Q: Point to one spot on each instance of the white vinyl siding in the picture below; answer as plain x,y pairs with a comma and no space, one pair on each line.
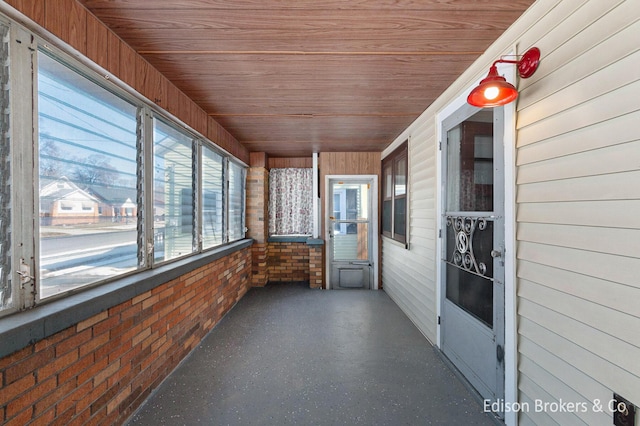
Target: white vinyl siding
577,208
410,278
579,215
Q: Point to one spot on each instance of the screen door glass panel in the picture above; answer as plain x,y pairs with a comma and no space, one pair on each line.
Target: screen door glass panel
350,221
470,167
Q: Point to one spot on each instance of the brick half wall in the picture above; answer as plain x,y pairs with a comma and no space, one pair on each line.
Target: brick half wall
288,261
101,369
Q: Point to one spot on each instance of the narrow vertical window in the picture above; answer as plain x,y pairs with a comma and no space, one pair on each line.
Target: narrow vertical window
87,180
236,201
5,174
387,200
394,194
173,192
212,198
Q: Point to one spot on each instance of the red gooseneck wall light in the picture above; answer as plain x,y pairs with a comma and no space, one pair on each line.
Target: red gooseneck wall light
494,90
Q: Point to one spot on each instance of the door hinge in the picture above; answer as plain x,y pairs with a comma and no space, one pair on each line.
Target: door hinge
438,319
439,233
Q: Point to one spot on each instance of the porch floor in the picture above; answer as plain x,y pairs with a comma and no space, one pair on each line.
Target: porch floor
286,354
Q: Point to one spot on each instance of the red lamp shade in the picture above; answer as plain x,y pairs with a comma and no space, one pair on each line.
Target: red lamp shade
494,90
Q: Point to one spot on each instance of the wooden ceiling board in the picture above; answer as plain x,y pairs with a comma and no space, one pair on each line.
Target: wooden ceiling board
160,41
383,5
292,77
303,127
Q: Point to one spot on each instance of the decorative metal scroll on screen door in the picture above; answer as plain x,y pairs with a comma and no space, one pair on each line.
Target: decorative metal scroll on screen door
463,256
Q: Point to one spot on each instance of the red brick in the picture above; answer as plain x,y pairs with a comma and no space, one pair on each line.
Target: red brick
51,399
141,297
131,311
80,419
113,404
106,372
58,364
91,321
73,342
27,399
102,401
121,328
94,344
21,419
52,340
16,357
149,302
90,372
76,368
72,399
118,309
28,365
106,325
122,372
18,387
63,418
90,397
118,351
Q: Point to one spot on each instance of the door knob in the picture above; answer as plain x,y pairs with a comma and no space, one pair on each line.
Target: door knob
496,253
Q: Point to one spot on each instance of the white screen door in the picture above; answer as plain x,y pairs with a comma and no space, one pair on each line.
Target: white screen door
472,305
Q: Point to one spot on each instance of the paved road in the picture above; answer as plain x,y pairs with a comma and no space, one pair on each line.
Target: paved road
60,245
76,260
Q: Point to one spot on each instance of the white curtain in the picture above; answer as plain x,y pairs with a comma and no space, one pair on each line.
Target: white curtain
290,202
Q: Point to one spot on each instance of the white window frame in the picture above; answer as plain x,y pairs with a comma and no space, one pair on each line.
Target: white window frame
25,198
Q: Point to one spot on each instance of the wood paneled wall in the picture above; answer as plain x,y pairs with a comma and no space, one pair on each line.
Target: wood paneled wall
71,22
291,162
350,163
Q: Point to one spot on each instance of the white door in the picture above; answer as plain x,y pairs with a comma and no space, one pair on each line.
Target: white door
472,305
350,230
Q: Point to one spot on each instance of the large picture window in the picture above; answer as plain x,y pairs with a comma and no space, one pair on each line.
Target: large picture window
87,180
394,194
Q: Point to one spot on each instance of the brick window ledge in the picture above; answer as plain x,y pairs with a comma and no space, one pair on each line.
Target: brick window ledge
27,327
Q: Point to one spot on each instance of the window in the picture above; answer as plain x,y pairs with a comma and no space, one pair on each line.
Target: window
87,150
236,201
212,196
5,174
290,201
172,192
394,194
106,187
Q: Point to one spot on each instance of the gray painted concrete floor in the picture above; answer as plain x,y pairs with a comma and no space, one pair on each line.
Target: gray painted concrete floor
286,354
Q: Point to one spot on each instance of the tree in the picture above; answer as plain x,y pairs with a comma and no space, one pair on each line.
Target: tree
51,163
95,170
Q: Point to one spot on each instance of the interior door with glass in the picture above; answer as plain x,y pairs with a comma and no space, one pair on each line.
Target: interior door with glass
472,310
350,228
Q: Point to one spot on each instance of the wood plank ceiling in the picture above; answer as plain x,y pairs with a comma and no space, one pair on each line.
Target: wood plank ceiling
290,77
